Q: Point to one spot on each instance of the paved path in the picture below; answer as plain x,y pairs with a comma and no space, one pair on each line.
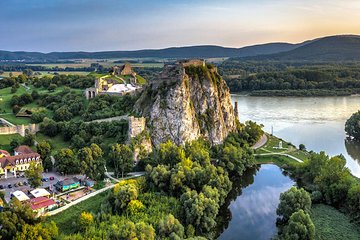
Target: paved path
117,118
262,141
7,122
280,154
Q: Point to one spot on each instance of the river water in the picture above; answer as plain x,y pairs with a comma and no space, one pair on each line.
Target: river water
251,213
317,122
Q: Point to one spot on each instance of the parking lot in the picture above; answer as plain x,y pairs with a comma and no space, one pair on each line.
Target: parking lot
15,180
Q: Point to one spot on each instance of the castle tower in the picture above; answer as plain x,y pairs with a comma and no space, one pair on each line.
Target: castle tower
236,111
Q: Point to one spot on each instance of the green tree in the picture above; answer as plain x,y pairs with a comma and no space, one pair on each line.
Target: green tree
29,139
12,219
299,227
14,143
43,231
170,226
49,127
52,87
123,158
334,180
91,161
291,201
44,149
66,161
352,126
63,114
33,174
201,208
124,195
86,220
169,153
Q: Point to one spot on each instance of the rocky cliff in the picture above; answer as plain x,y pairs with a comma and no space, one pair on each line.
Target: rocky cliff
188,100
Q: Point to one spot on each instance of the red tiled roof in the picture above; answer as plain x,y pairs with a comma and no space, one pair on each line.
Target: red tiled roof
41,202
6,153
11,160
24,149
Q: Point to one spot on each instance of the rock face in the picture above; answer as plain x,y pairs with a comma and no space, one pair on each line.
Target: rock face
188,101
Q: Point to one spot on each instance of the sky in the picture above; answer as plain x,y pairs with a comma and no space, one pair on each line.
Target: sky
100,25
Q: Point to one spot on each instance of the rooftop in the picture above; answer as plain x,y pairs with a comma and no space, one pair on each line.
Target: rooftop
41,202
39,192
21,196
23,149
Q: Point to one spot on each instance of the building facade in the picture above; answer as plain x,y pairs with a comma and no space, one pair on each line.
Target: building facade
20,162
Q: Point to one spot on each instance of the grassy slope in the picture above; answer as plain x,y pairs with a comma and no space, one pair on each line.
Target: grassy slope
56,142
332,224
66,219
6,139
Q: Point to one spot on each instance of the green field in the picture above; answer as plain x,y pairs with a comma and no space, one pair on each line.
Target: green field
332,224
66,219
6,139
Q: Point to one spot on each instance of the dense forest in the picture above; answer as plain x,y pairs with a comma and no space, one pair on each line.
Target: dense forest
292,78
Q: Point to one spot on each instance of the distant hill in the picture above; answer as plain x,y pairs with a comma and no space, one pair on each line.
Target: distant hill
174,52
333,48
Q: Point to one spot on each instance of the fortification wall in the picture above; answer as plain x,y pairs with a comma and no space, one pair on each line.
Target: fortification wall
20,129
136,126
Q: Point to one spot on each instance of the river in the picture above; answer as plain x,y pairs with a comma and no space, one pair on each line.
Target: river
251,213
317,122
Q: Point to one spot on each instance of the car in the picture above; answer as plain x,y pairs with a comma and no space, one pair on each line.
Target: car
51,178
20,184
9,186
46,179
25,183
1,187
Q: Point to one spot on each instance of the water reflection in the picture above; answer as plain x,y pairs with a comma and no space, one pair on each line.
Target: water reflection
353,149
253,211
317,122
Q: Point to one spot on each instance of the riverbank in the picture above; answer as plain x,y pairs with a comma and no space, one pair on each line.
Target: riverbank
300,93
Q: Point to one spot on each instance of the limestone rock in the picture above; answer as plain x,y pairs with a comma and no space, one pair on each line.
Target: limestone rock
189,100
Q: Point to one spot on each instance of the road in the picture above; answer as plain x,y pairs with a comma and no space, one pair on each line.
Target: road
262,141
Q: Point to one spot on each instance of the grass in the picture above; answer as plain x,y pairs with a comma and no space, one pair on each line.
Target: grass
274,142
67,219
6,139
275,159
56,142
332,224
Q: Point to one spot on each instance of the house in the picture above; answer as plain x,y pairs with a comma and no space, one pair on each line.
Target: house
23,149
21,196
40,205
40,192
20,162
67,184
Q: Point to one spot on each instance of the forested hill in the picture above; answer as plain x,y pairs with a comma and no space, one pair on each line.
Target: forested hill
333,48
207,51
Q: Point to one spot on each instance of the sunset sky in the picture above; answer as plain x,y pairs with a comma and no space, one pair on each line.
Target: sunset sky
95,25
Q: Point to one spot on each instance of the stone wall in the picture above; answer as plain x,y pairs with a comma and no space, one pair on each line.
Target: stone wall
20,129
136,126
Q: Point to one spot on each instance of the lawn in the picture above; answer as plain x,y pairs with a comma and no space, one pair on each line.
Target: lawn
66,219
56,142
332,224
6,139
275,159
274,142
